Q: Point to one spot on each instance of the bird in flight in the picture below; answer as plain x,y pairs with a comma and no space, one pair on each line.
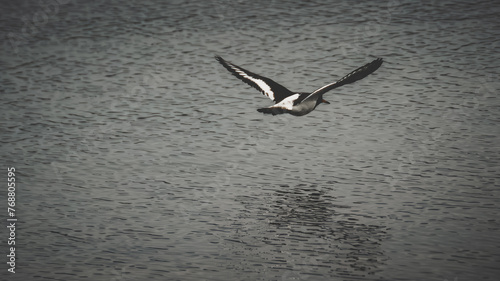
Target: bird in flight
295,103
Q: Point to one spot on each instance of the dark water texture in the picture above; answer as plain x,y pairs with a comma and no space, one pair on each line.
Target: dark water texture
138,157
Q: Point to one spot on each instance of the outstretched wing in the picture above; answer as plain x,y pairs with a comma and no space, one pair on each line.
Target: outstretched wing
352,77
268,87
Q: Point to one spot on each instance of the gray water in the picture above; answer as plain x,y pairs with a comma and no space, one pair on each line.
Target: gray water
139,157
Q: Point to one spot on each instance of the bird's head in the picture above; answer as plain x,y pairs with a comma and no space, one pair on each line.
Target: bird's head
320,101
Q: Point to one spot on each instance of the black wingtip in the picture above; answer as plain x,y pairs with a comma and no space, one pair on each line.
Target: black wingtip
378,62
374,65
363,71
222,61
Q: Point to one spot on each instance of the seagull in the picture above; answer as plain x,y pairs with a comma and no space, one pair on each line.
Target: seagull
294,103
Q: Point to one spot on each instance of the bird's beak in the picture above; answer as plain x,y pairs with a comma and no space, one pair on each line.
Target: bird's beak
322,100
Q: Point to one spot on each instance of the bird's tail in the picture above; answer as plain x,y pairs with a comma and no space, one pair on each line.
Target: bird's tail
273,110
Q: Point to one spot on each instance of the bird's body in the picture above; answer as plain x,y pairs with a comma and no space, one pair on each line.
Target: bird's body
294,103
297,104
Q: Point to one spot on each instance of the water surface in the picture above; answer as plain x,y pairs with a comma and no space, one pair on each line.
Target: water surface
140,157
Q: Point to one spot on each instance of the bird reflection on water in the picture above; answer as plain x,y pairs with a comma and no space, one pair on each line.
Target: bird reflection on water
326,237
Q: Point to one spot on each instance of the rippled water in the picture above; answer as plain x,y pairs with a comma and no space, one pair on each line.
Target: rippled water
140,157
